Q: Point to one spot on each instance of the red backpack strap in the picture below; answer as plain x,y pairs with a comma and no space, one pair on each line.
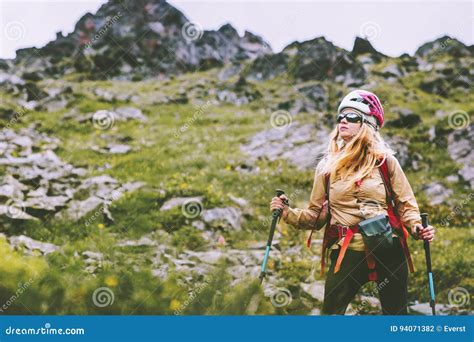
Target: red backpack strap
394,217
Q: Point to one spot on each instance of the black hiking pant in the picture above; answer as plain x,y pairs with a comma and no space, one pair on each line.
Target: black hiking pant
392,273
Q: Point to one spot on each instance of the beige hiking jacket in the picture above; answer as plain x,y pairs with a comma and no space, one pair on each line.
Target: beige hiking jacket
361,202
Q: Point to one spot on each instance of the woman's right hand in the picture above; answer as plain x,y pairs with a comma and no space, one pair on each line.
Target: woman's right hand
277,203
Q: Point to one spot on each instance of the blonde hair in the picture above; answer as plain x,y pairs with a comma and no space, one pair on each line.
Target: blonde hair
355,159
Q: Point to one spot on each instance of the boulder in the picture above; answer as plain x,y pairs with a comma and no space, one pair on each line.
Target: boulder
300,145
437,193
228,217
460,144
31,246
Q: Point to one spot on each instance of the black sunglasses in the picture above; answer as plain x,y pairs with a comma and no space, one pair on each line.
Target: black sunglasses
350,117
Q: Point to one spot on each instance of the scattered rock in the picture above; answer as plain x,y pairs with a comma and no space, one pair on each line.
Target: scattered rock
110,96
208,257
118,114
39,183
237,200
314,289
113,149
300,145
400,146
437,193
144,241
25,242
228,217
181,201
460,144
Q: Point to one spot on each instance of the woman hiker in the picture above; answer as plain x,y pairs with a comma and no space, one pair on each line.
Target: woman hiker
371,210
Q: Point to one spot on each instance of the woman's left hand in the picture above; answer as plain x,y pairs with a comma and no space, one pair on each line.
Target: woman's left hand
427,233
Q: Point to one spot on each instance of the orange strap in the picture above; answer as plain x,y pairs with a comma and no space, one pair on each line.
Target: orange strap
369,257
342,252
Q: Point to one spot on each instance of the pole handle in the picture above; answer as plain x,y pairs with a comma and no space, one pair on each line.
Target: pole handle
280,192
424,220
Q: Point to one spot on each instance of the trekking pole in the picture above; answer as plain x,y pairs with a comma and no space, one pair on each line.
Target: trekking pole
275,218
426,245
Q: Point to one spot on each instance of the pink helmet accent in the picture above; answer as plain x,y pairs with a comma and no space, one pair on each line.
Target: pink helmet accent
365,101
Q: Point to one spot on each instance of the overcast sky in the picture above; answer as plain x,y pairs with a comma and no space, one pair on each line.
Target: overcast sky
393,27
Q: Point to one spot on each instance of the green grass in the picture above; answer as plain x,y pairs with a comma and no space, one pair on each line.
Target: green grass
201,161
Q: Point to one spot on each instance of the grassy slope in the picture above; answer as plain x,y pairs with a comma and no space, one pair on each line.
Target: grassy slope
202,161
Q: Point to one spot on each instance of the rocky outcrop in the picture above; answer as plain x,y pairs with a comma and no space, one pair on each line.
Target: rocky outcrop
138,39
363,47
444,45
316,59
301,145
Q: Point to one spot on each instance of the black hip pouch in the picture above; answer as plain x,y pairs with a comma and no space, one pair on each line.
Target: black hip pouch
376,232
